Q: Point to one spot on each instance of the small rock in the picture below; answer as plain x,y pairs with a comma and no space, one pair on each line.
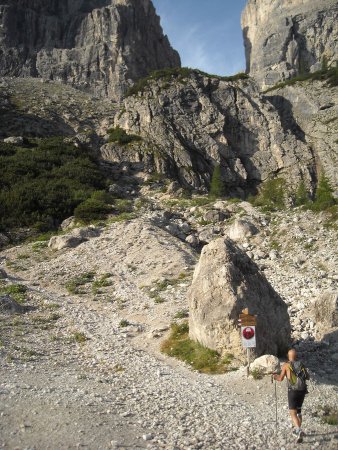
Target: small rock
147,437
16,140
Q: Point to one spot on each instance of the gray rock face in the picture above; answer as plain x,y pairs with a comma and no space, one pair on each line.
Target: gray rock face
310,109
98,45
286,37
189,125
224,283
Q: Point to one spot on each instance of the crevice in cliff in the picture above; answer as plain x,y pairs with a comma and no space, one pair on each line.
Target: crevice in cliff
285,113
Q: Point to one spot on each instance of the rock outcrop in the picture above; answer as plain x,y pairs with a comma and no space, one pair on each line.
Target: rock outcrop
310,110
99,45
191,122
284,38
226,281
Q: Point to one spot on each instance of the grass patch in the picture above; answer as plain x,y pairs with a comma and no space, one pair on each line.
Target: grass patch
330,415
101,282
256,374
124,323
200,358
17,291
123,217
181,314
75,283
79,337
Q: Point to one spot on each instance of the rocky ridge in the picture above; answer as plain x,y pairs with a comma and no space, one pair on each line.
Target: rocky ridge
301,33
101,46
190,123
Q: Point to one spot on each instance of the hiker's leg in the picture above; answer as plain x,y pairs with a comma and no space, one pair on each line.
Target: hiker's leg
295,418
300,417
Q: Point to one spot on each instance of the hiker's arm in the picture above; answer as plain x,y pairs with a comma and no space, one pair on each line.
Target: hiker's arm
282,374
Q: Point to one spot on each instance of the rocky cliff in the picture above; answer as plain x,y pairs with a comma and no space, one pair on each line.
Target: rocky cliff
191,124
286,37
99,45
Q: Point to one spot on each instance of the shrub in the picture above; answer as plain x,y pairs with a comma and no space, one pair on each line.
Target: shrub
324,195
302,195
272,195
256,374
217,187
73,285
17,291
91,210
79,337
120,136
41,184
199,357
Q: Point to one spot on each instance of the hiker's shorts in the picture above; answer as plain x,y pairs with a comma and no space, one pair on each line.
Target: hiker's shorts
296,399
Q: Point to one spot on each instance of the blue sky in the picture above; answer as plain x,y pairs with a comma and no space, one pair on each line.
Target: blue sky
206,33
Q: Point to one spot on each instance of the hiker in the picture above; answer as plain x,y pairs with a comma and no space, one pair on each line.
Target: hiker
296,375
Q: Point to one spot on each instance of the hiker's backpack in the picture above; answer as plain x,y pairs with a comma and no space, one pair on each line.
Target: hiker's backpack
298,376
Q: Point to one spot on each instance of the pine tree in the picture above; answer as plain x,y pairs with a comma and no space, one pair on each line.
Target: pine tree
302,196
217,188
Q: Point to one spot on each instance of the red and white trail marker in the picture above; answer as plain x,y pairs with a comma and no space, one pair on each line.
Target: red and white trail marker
248,334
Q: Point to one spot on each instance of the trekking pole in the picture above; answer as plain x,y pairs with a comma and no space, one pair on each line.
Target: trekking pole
272,380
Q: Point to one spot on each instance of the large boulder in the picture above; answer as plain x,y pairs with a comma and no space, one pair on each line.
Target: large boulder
265,364
225,282
66,241
74,239
241,230
3,274
16,140
9,306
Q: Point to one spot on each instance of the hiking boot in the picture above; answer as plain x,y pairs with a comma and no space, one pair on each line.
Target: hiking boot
300,436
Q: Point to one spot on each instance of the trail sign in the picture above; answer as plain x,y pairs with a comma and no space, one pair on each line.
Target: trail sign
248,329
248,336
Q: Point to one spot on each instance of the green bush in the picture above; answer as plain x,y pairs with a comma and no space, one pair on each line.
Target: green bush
199,357
42,183
91,210
217,186
120,136
272,195
324,195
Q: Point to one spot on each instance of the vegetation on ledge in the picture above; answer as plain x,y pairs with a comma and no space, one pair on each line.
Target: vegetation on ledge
120,136
179,74
329,74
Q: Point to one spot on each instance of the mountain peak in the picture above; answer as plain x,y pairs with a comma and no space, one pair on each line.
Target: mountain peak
101,46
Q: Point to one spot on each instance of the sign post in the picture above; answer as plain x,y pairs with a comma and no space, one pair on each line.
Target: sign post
247,323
